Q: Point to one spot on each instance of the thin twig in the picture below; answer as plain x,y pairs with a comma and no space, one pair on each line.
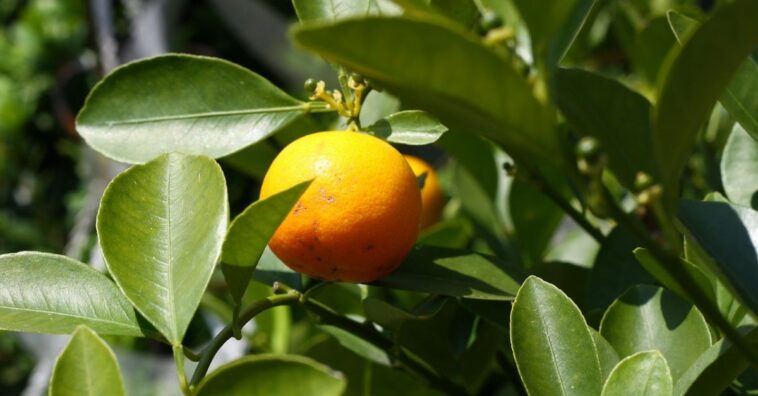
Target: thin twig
206,357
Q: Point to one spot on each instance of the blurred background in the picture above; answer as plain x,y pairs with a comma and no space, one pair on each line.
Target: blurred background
52,52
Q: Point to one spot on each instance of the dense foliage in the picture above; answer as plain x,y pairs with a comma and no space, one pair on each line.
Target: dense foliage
600,237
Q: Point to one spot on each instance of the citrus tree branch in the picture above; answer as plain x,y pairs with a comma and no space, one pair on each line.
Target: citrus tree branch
206,357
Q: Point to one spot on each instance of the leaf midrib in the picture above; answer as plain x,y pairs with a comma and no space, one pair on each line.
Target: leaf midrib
93,319
209,114
553,360
170,258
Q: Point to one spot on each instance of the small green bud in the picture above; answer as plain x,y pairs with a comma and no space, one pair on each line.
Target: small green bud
357,78
310,85
642,181
490,21
588,149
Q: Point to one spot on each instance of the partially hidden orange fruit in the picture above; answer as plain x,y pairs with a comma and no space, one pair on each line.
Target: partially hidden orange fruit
358,219
432,197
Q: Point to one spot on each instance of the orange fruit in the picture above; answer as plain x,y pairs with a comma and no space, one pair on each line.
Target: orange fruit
432,198
358,219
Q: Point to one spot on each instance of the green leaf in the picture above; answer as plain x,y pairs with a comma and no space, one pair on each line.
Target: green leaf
249,234
379,49
739,97
685,96
616,116
393,318
739,168
535,218
47,293
649,318
655,268
552,344
333,10
182,103
411,127
86,367
652,42
730,235
615,269
553,25
464,12
716,368
457,273
329,10
607,356
641,374
358,345
265,375
161,226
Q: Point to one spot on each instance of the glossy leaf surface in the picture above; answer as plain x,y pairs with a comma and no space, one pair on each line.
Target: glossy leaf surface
161,227
182,103
410,127
264,375
641,374
649,318
379,49
47,293
552,344
86,367
739,168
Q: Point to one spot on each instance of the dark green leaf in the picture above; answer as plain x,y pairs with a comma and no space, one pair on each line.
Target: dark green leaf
161,226
458,273
655,268
641,374
553,25
249,234
182,103
739,97
686,96
727,233
46,293
392,318
411,127
535,218
552,344
379,49
649,318
358,345
716,368
464,12
615,270
86,367
651,45
739,168
616,116
266,375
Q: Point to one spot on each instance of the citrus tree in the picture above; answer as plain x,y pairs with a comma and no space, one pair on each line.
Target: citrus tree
600,236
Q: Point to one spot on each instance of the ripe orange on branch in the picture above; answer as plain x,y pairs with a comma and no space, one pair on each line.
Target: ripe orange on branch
359,217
